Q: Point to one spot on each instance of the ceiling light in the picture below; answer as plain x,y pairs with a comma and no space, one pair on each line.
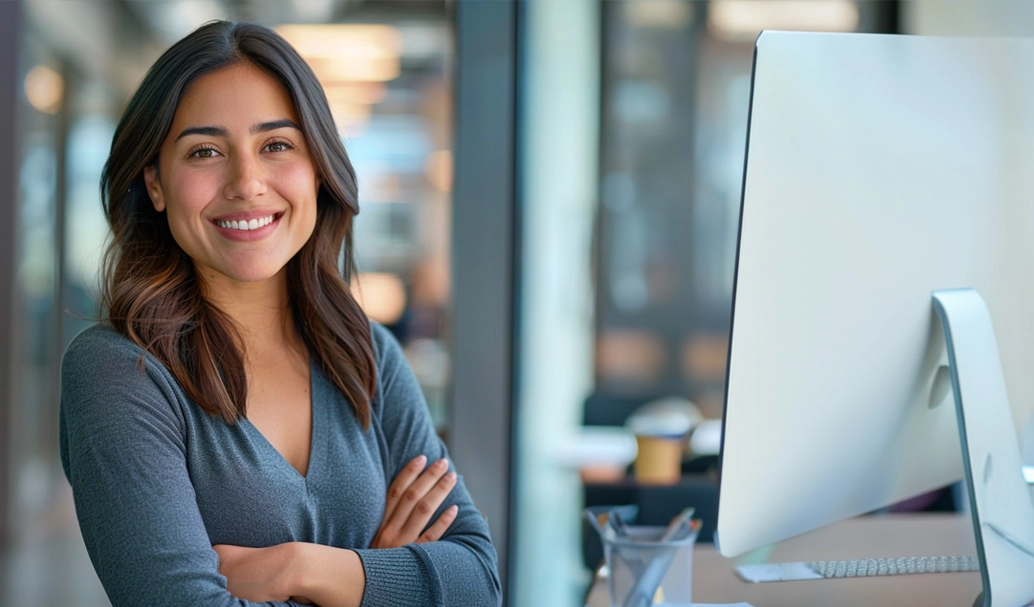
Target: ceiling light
354,69
742,20
338,41
347,52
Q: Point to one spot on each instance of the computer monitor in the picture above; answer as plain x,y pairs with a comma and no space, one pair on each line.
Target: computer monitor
879,170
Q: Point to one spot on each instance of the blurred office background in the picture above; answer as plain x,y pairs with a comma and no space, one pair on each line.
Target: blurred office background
549,194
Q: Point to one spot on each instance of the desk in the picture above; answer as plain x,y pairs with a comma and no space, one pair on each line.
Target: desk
864,537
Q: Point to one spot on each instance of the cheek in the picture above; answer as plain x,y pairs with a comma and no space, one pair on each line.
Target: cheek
300,179
192,192
297,183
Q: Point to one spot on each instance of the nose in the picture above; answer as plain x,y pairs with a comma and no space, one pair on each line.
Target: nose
244,180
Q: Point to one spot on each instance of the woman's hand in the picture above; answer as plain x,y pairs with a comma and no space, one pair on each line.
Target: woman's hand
414,496
259,574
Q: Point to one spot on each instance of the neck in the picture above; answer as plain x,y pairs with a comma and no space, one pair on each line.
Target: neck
261,311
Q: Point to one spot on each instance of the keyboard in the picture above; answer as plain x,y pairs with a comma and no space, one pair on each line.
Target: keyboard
817,570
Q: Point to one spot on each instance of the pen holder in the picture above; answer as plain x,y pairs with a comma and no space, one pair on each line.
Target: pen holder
645,571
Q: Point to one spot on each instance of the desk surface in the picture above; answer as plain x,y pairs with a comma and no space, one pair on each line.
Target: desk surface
864,537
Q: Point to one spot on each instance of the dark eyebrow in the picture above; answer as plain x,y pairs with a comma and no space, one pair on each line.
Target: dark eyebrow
211,131
274,125
218,131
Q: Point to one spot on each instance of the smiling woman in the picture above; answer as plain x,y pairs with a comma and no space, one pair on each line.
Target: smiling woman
238,430
218,183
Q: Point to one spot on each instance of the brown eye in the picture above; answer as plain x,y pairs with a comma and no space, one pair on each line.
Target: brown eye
278,146
203,153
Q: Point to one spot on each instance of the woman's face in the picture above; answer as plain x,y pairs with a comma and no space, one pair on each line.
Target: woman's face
235,177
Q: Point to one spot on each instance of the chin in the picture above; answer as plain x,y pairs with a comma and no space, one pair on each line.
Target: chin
253,273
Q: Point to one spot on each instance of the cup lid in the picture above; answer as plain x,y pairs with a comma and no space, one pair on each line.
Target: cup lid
662,424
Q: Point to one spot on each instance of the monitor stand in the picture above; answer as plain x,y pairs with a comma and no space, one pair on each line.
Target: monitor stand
999,498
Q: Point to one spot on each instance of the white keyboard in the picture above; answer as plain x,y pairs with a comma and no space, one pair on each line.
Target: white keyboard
817,570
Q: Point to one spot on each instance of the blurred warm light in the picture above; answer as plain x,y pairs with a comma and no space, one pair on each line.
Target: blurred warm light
666,14
741,20
352,62
430,285
343,40
438,170
704,357
364,93
347,52
45,89
381,295
629,355
371,69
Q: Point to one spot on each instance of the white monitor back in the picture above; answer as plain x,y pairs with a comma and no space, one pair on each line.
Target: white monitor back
879,169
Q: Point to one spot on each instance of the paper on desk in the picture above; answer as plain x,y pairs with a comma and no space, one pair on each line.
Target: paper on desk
777,572
704,605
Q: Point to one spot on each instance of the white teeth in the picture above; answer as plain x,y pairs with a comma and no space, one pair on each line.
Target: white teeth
253,224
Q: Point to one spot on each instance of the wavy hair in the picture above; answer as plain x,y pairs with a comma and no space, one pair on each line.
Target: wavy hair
150,289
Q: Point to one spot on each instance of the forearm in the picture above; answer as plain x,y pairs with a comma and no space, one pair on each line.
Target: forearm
329,577
436,574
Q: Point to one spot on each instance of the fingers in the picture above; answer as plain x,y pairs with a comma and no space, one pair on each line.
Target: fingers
413,497
440,526
425,508
402,482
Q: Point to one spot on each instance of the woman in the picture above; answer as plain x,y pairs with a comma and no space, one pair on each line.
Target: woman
238,430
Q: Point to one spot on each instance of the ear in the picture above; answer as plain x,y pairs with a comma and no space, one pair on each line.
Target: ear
154,187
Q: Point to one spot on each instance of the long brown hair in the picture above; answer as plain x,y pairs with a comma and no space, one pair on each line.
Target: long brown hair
151,291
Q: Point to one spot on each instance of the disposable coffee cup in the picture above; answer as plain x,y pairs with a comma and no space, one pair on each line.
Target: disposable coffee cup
661,439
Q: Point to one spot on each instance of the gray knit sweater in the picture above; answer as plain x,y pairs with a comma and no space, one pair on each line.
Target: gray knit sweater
157,481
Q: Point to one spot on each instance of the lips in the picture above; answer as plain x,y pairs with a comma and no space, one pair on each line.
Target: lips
247,226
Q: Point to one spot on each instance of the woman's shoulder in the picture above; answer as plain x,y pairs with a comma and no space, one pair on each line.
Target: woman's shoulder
396,383
100,334
100,351
99,343
381,338
105,376
112,390
386,348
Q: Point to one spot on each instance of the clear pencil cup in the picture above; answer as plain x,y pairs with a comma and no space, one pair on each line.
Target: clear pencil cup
644,572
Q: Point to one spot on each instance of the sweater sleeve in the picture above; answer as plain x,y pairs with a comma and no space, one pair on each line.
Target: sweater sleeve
123,452
459,569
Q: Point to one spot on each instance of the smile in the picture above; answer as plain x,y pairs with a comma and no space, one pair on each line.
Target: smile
252,224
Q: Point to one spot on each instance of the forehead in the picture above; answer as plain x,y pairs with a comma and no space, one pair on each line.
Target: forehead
236,95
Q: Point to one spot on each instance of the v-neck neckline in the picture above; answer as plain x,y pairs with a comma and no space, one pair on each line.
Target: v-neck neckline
316,422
